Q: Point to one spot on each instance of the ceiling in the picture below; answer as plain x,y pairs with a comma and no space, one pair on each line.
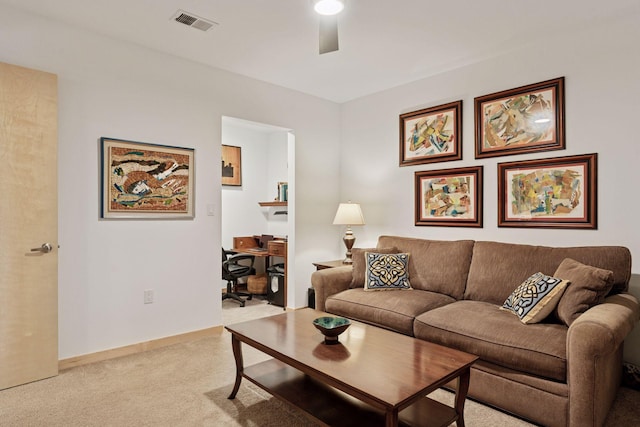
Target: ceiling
383,43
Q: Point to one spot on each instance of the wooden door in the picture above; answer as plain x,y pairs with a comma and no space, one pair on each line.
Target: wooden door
28,220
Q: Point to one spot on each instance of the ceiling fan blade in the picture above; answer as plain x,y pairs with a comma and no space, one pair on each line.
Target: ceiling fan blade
328,34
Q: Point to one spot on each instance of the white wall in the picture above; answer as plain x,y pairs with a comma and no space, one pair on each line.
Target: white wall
601,67
115,89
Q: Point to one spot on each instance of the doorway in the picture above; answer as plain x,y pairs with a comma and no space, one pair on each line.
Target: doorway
267,166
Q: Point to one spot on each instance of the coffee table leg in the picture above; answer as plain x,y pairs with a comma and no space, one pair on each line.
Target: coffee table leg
237,354
392,418
461,395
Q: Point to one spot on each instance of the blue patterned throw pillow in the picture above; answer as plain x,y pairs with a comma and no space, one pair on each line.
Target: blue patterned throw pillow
536,297
386,271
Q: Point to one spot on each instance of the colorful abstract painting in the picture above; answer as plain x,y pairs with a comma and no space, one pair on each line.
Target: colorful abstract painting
520,120
449,197
431,135
549,192
146,181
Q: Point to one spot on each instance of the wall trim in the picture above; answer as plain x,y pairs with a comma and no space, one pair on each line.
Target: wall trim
100,356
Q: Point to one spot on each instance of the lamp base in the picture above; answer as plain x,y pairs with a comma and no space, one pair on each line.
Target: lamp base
348,239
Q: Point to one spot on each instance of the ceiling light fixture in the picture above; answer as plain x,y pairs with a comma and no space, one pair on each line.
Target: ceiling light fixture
328,7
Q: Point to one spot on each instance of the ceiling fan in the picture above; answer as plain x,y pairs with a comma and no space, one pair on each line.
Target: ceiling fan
328,34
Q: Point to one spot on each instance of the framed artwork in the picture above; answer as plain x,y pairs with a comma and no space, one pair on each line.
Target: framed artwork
231,165
431,135
550,193
141,180
522,120
449,197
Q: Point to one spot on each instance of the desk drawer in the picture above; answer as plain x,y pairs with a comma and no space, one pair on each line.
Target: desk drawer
277,248
244,242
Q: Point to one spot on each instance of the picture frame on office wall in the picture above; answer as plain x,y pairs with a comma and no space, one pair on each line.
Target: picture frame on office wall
231,165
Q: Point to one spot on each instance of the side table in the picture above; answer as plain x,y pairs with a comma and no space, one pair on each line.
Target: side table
329,264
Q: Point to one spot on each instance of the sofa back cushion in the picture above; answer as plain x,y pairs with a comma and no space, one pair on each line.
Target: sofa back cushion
498,268
435,265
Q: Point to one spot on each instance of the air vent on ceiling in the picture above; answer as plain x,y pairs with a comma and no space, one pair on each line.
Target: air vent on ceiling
191,20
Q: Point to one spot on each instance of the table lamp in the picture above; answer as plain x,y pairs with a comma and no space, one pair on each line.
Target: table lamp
348,214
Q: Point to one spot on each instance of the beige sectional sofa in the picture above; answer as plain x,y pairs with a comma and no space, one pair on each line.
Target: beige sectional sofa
547,372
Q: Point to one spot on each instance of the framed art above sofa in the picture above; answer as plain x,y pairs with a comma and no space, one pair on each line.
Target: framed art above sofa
522,120
449,197
431,135
558,192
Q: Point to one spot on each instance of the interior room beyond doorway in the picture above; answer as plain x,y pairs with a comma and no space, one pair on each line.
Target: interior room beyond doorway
257,202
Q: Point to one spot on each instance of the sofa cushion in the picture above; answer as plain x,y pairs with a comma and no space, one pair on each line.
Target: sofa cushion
496,266
589,286
359,264
535,298
498,337
435,265
390,310
386,272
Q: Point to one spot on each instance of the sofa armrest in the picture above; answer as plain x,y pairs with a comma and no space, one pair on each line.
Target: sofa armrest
330,281
594,357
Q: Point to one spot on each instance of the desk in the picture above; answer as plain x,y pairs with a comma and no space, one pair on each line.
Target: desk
275,248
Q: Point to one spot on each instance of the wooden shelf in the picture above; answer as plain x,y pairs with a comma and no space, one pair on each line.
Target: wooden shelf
329,406
263,204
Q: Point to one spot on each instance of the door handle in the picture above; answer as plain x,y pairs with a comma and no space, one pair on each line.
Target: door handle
45,248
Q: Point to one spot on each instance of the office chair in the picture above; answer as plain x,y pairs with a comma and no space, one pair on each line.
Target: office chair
232,270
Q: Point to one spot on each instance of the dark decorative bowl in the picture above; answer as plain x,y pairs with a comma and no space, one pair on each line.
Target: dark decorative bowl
331,327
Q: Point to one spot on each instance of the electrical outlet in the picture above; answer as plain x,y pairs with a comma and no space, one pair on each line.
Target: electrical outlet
148,296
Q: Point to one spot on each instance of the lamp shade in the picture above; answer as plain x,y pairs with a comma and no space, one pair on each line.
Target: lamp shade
349,214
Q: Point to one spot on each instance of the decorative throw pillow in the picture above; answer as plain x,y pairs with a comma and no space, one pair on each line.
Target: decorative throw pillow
386,271
359,264
535,298
589,286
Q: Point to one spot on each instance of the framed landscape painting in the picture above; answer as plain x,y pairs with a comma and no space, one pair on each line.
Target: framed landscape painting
449,197
141,180
431,135
551,193
231,165
522,120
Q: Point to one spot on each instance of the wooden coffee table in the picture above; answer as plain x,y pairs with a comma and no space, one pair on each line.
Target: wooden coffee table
373,377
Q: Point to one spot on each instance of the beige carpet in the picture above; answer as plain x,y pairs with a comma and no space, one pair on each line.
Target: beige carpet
188,384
